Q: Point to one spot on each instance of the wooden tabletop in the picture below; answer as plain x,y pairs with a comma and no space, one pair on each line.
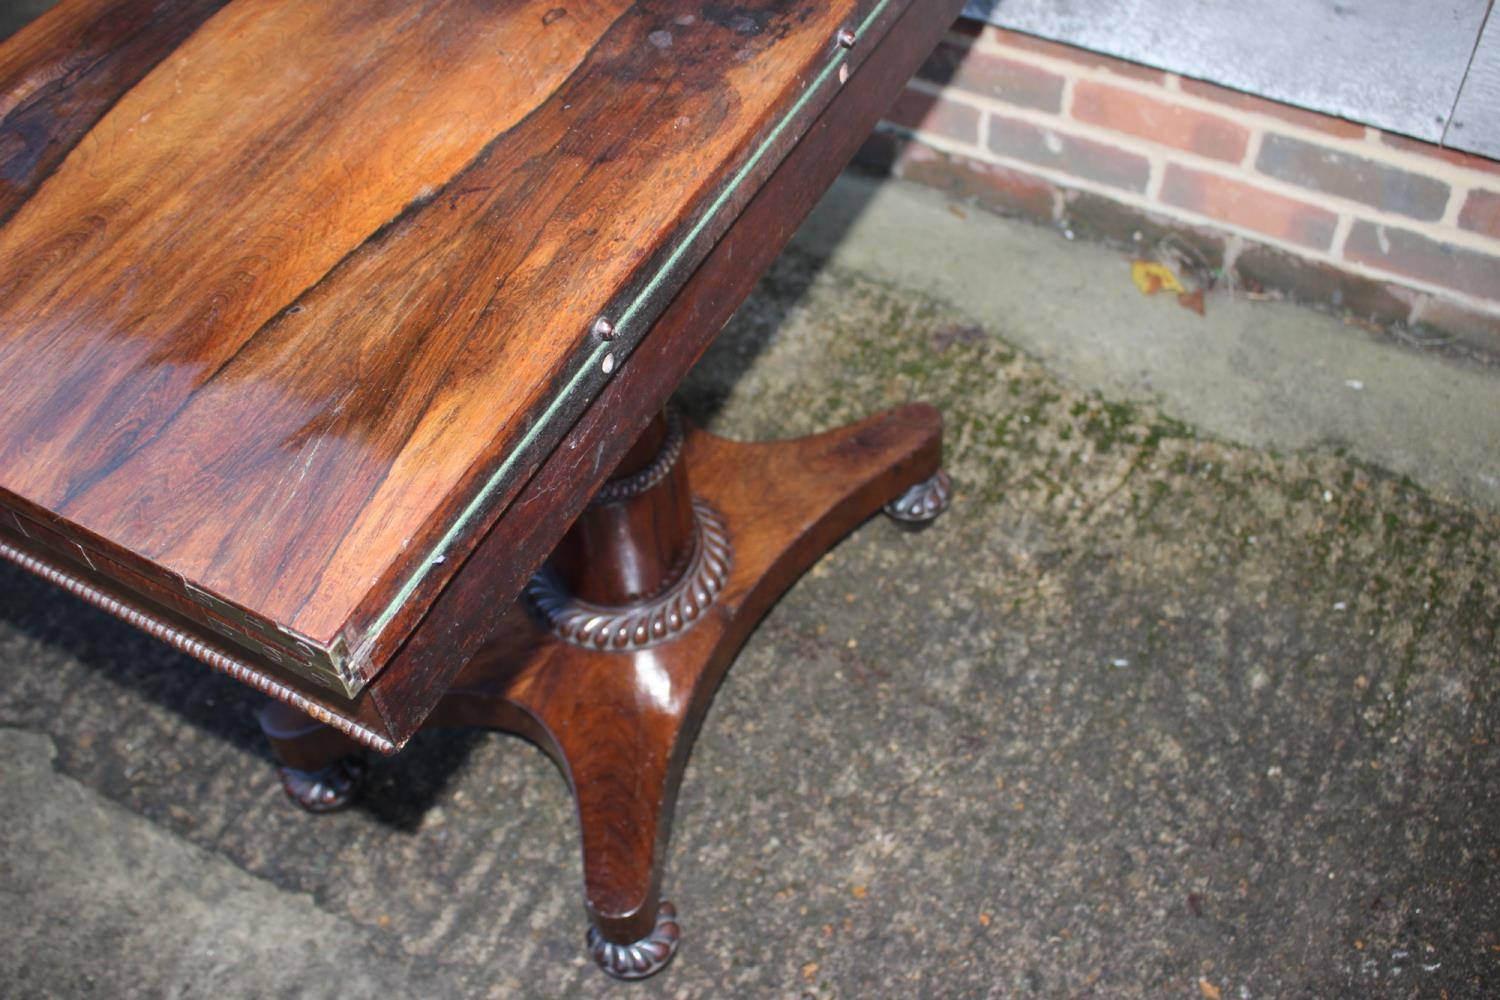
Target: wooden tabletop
295,296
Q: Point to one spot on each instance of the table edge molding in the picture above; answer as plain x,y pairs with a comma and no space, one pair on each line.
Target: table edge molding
186,642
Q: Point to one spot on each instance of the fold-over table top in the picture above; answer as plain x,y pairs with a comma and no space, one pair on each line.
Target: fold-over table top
294,295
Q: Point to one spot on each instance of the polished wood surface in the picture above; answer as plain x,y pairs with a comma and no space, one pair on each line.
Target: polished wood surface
295,298
638,533
59,75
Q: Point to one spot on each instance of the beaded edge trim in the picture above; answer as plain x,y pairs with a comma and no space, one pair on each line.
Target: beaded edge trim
626,629
185,642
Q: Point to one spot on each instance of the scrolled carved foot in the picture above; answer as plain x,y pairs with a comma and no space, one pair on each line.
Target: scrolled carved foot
920,506
327,789
645,957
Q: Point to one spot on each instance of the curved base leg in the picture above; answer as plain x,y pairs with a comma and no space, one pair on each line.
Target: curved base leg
620,722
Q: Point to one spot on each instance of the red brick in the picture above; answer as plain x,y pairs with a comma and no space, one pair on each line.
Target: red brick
1106,219
1321,285
1481,213
1456,157
932,115
1249,207
1332,171
1083,57
1070,154
1480,330
1169,124
1001,190
992,76
1274,109
1400,251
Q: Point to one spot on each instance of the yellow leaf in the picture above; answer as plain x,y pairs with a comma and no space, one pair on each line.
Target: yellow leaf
1151,277
1209,990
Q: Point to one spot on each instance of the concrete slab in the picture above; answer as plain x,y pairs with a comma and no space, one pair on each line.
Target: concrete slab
96,901
1266,374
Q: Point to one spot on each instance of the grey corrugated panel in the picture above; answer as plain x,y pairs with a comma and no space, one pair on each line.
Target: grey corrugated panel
1476,119
1395,64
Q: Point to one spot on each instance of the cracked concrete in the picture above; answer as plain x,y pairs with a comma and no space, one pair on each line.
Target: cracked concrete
92,893
1192,694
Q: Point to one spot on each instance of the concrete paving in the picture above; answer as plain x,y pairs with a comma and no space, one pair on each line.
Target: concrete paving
1193,694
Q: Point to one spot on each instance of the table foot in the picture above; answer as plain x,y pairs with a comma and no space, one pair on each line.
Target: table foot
321,769
919,506
327,789
642,958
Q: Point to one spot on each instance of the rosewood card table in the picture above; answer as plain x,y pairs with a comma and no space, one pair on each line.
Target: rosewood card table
336,339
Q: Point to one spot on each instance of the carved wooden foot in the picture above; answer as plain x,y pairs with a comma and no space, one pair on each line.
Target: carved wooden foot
645,957
327,789
321,769
919,506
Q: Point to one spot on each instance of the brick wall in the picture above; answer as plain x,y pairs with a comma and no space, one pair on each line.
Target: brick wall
1281,201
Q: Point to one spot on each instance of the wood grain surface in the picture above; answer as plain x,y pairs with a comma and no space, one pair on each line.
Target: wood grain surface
59,75
295,297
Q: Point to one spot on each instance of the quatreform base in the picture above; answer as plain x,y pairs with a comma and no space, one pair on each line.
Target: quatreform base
611,657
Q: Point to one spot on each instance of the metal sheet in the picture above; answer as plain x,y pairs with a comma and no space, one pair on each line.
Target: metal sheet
1394,64
1476,119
